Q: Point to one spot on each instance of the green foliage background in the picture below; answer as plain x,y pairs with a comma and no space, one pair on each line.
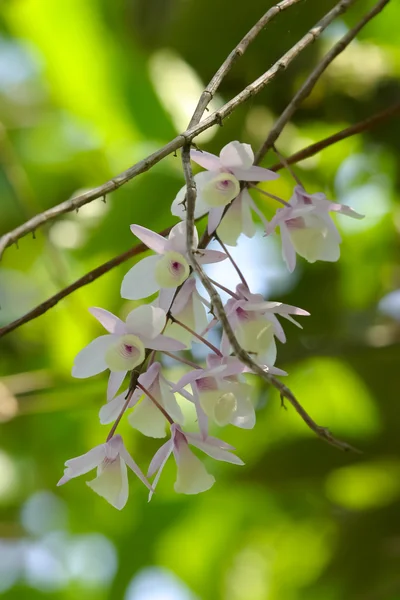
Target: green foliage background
88,87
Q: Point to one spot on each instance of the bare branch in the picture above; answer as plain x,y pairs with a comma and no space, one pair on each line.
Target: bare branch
365,125
88,278
310,82
178,142
107,266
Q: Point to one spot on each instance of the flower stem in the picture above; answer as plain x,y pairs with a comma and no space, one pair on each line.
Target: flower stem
197,335
161,408
287,166
281,200
235,266
185,361
125,406
225,289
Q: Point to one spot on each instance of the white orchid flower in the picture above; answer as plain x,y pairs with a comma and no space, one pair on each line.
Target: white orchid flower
192,476
124,347
220,184
166,270
111,460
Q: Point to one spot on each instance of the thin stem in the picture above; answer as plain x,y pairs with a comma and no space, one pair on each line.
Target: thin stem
196,335
235,266
225,289
180,359
255,187
287,166
343,134
161,408
118,419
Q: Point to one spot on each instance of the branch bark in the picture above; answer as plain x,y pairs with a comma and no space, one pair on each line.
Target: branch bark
185,137
312,79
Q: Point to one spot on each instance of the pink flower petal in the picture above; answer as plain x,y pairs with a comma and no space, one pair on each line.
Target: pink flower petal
152,239
109,321
114,383
206,160
210,256
214,218
254,174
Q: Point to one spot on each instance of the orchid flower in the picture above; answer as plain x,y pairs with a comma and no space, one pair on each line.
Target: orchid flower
220,184
166,270
255,324
192,476
307,228
219,394
111,460
124,347
189,309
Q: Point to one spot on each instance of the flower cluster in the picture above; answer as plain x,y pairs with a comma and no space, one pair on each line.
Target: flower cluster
134,350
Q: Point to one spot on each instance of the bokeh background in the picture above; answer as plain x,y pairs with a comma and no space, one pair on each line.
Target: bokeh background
87,88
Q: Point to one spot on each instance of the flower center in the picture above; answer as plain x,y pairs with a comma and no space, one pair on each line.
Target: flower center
221,190
171,270
126,354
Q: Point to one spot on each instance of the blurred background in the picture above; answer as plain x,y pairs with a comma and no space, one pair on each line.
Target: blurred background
87,88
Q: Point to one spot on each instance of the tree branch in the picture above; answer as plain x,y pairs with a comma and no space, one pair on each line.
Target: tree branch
312,79
182,139
365,125
114,262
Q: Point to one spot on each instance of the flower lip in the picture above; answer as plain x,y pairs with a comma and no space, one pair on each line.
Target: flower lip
127,352
172,270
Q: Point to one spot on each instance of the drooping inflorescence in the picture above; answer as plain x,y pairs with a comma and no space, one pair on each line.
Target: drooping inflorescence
133,349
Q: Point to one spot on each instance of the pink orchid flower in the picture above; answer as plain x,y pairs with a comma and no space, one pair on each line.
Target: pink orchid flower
192,476
111,460
189,309
307,228
255,324
166,270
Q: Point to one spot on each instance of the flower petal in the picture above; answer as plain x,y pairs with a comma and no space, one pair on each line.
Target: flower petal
152,239
114,383
146,321
288,251
177,238
163,342
83,464
112,483
91,359
214,218
215,451
148,419
109,321
127,458
192,476
140,281
207,257
254,174
206,160
236,155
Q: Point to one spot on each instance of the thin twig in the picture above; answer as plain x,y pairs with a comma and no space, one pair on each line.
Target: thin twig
236,53
360,127
184,361
196,335
156,402
88,278
183,139
303,154
312,79
265,193
233,263
118,419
